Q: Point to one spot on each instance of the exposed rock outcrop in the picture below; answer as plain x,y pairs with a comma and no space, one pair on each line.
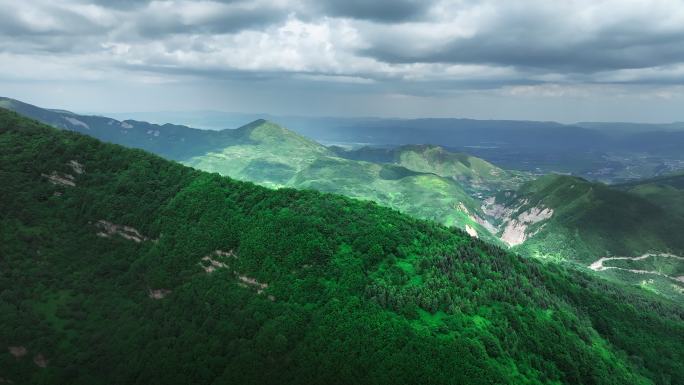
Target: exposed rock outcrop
515,230
40,361
158,293
127,232
17,351
471,231
212,261
76,122
254,283
77,167
60,179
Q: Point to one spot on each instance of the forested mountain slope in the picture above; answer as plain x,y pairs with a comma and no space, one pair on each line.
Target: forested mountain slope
274,156
266,153
120,267
547,218
599,219
666,191
270,155
568,218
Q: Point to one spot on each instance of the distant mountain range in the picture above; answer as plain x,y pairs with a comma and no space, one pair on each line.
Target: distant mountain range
560,218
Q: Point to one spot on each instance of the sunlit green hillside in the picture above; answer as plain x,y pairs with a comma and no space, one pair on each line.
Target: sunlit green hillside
478,177
565,218
589,219
666,191
273,156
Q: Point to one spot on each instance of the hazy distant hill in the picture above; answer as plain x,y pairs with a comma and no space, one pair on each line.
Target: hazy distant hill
477,175
119,267
601,151
168,140
617,128
608,152
666,191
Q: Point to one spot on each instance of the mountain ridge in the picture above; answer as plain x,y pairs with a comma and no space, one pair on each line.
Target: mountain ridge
271,155
277,157
431,182
479,176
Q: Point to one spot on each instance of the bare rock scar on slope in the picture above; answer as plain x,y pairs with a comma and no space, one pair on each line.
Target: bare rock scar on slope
60,179
108,229
516,229
216,260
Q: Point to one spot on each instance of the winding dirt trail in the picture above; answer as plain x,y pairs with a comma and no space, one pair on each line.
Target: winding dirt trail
598,265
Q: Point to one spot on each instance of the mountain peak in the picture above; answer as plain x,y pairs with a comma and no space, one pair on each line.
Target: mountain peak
252,125
266,131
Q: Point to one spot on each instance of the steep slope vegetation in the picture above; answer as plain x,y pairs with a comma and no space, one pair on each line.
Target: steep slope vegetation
272,156
569,218
277,157
666,191
596,219
265,153
120,267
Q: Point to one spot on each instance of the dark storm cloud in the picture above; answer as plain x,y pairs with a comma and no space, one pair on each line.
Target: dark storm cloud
68,27
381,10
117,4
52,30
61,22
407,46
124,4
163,26
157,24
585,57
207,73
547,40
533,36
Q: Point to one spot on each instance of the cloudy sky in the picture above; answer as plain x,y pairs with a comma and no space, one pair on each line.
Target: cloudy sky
566,60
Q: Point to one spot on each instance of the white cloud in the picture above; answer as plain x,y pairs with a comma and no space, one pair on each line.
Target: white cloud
525,49
453,40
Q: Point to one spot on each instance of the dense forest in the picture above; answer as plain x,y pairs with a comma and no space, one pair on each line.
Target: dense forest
119,267
584,221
